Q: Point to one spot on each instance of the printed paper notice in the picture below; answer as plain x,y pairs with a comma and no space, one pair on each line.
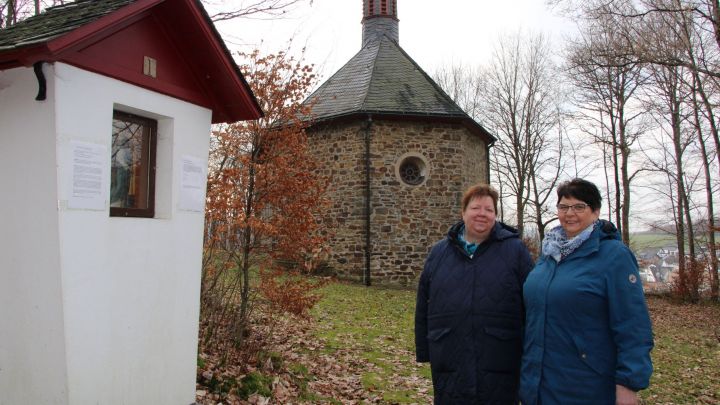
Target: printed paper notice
192,184
88,176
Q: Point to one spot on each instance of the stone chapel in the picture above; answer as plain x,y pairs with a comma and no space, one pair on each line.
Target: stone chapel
399,153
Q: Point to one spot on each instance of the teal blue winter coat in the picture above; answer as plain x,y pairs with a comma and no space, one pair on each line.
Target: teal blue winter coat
587,326
469,315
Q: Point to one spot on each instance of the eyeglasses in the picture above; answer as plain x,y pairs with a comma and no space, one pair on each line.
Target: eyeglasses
575,207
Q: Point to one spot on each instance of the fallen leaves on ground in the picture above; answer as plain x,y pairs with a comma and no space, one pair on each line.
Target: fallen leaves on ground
330,378
350,353
686,357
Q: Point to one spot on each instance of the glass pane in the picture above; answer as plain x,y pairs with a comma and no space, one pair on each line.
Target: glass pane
128,184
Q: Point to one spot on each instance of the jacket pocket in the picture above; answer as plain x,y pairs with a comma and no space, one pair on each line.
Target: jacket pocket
594,358
437,334
502,349
442,350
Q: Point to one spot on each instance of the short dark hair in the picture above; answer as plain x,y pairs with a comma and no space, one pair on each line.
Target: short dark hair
582,190
479,190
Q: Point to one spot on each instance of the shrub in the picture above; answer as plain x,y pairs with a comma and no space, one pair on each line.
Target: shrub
686,286
255,383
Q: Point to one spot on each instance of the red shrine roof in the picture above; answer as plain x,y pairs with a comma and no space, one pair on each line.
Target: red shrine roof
117,38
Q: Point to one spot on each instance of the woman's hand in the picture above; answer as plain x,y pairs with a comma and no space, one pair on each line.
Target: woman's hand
625,396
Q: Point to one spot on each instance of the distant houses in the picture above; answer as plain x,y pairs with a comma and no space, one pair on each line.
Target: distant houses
661,273
659,266
666,252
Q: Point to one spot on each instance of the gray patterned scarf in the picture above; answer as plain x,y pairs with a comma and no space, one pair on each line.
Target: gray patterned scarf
557,245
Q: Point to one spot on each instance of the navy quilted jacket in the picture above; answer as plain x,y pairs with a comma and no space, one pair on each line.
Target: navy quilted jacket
469,317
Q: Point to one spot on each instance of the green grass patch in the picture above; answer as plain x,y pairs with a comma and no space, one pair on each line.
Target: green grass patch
377,323
301,376
657,240
651,240
275,359
255,383
399,397
686,356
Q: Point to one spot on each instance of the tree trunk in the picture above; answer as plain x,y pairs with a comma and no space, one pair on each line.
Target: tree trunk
537,207
607,181
715,10
674,100
624,209
242,315
11,16
616,182
520,215
693,279
712,245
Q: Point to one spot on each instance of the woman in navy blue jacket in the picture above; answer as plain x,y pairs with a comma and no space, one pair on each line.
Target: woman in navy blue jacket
587,333
469,312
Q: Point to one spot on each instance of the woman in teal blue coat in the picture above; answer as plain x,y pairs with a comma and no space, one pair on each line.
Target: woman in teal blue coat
588,334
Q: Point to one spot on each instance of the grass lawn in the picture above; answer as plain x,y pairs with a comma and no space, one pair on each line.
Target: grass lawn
376,325
656,240
686,355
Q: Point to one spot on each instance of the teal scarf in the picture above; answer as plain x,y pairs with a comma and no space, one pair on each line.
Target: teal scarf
470,248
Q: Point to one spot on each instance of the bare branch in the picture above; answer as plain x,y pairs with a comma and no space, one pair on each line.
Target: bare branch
269,9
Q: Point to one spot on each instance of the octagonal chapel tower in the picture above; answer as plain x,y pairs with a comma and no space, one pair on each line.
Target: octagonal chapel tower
399,153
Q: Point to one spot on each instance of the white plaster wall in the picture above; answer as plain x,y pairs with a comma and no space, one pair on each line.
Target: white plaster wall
94,309
32,345
130,285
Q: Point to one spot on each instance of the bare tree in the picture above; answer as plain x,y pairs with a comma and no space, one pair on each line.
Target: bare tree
606,87
640,46
12,11
520,107
681,32
703,113
469,88
679,42
668,101
464,85
234,9
544,176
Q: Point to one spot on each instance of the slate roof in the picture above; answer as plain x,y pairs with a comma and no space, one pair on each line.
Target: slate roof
56,21
383,79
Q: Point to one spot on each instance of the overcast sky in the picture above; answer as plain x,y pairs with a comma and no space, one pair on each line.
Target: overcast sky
433,32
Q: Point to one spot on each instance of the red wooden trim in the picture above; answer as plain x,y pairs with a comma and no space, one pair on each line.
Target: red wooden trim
226,93
24,57
137,78
103,26
232,71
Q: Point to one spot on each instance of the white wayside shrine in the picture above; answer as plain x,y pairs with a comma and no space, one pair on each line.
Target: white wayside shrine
104,136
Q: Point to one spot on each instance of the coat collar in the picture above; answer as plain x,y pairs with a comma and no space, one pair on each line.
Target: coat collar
604,231
499,232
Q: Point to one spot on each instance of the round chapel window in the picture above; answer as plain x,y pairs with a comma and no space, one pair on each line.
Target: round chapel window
412,169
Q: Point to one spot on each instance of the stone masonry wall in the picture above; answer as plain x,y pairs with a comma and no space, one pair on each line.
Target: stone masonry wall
475,160
405,220
342,150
